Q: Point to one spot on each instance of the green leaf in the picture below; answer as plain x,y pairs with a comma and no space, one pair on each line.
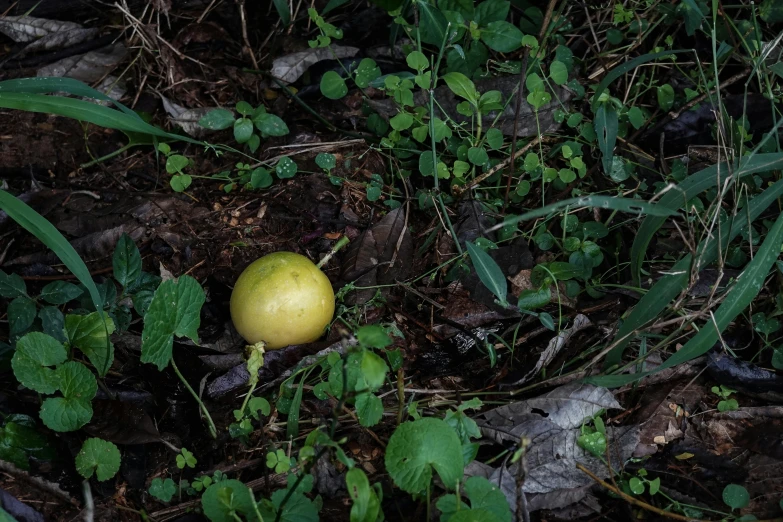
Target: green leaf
416,448
217,119
21,314
286,168
52,322
34,352
126,262
326,161
175,310
366,504
74,409
558,72
532,299
483,495
494,138
333,85
373,336
538,99
369,409
736,496
462,86
223,498
180,182
367,71
401,121
636,117
489,272
244,108
176,163
243,130
441,130
491,11
90,334
100,457
270,124
432,24
417,61
502,36
261,178
163,490
606,125
12,285
284,11
665,95
478,156
374,370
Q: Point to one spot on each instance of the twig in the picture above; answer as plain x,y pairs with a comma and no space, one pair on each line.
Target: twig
89,505
43,485
460,190
245,39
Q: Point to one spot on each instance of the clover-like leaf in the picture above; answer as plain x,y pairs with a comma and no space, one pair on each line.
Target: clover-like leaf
175,310
222,499
34,353
74,409
483,495
90,334
100,457
415,448
163,490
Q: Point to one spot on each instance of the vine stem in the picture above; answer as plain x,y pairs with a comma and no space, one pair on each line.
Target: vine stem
336,248
212,428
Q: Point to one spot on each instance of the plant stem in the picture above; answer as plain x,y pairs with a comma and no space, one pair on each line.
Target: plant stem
343,241
212,428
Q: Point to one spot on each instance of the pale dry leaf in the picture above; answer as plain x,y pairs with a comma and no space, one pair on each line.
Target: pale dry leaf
28,28
289,68
186,119
89,67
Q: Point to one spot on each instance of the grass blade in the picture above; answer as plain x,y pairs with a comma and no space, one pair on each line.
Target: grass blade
85,111
690,188
655,301
633,206
738,298
489,272
284,11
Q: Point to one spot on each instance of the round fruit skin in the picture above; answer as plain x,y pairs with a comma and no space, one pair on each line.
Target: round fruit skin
282,299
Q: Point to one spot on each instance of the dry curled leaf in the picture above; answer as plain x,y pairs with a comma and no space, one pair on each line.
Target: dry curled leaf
289,68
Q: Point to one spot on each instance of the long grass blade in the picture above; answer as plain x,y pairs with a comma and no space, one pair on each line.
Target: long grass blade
667,288
691,187
740,295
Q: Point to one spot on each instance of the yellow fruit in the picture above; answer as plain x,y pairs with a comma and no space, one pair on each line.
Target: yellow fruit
282,299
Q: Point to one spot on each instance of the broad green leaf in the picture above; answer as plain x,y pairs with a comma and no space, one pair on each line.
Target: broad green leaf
162,490
374,370
489,272
502,36
261,178
441,130
478,156
60,292
736,496
494,138
373,336
126,261
222,498
401,121
12,285
52,322
176,163
74,409
366,504
284,11
326,161
491,11
100,457
739,296
416,448
270,124
669,286
533,299
367,71
665,95
369,409
538,99
417,61
34,353
432,24
20,314
636,117
90,334
217,119
175,310
243,130
333,85
462,86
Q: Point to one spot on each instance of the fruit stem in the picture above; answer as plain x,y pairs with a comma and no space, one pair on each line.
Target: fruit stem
336,248
212,428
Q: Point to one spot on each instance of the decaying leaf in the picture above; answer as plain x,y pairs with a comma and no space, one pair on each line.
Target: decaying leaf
186,119
289,68
89,67
121,423
30,29
380,256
